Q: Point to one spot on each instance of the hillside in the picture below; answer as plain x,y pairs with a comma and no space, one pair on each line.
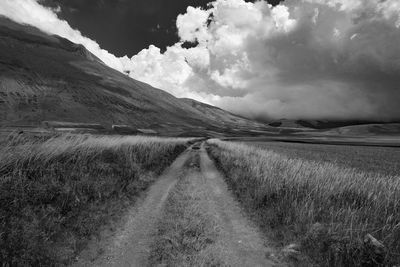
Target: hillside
286,123
318,124
48,78
368,129
214,113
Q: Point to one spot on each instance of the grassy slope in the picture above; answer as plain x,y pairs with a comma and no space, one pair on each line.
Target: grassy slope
55,194
326,208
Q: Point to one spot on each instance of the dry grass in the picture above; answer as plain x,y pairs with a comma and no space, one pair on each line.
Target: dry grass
328,209
56,193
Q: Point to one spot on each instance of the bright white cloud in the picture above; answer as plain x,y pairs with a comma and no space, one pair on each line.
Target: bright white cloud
301,59
192,26
168,70
282,19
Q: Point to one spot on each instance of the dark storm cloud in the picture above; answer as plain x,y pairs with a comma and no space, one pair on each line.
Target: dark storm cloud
125,27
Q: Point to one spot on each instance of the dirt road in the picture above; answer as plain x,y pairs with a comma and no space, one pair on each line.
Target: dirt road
187,218
244,242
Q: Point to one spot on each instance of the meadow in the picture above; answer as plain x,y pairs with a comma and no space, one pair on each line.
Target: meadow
56,193
337,214
384,160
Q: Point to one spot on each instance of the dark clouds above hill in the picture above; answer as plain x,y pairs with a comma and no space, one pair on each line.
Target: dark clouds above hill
125,27
337,59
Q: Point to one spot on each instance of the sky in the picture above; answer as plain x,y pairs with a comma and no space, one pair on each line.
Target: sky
295,59
125,27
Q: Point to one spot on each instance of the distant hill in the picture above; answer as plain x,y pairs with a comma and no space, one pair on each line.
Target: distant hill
48,78
329,124
214,113
286,123
324,124
368,129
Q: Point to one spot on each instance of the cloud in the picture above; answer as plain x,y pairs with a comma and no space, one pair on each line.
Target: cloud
386,9
167,70
336,59
331,59
193,25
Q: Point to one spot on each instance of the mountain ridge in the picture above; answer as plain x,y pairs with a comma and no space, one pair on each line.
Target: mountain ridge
48,78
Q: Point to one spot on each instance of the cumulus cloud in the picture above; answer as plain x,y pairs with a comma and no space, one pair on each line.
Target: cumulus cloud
336,59
331,59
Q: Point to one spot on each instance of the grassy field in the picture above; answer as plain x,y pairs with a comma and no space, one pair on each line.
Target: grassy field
57,193
326,208
384,160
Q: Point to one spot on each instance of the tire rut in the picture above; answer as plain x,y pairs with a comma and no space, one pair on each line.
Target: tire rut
131,245
245,245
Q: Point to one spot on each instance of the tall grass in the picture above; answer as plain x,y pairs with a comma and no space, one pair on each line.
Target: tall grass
384,160
329,210
57,193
